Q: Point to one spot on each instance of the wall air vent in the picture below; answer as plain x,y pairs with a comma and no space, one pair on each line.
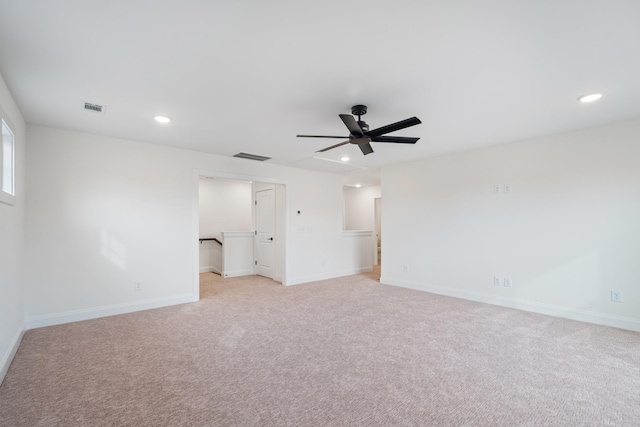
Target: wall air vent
251,157
93,107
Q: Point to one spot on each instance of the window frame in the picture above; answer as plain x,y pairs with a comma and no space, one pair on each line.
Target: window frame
5,197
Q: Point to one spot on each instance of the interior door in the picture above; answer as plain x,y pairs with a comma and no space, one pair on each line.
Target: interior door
265,232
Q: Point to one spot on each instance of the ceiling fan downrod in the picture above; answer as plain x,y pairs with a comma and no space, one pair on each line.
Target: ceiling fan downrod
360,110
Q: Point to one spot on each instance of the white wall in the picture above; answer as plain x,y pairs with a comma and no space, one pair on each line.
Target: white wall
12,228
104,213
567,234
224,206
238,254
316,249
359,208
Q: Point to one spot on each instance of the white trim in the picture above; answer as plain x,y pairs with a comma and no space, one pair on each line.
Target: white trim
357,233
535,307
236,234
210,269
8,198
256,188
195,234
7,358
105,311
318,277
238,273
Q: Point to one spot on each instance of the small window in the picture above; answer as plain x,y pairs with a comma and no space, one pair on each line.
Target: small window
7,165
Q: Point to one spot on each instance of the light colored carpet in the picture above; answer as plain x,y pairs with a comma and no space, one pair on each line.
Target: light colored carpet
344,352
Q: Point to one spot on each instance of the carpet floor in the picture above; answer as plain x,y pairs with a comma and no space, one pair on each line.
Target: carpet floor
341,352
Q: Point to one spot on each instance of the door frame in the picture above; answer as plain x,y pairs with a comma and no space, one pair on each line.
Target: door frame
257,187
377,228
195,222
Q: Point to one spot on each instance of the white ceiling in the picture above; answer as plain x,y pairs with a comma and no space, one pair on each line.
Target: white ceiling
248,75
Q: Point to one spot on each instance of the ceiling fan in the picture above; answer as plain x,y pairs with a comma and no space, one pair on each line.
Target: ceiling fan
360,134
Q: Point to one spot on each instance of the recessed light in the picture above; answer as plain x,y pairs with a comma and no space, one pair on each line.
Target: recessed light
162,119
344,158
590,98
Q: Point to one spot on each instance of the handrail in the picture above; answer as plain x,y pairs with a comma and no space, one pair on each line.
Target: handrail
211,238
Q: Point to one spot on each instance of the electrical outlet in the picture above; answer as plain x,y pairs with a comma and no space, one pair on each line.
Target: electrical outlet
496,189
506,282
137,286
496,280
506,188
616,296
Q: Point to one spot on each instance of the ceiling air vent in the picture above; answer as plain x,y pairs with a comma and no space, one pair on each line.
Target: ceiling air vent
251,157
93,107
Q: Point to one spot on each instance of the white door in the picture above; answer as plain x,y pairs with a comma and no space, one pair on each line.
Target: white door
265,232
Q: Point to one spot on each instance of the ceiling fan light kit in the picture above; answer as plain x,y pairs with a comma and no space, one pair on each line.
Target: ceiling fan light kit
360,135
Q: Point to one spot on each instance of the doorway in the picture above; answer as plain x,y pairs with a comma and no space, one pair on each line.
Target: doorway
274,265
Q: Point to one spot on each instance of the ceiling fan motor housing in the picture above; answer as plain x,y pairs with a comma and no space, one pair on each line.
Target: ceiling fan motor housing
359,110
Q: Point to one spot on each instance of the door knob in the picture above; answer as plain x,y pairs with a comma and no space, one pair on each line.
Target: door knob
270,238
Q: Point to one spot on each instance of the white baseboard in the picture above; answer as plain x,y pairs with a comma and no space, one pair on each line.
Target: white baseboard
8,356
110,310
535,307
210,269
238,273
326,276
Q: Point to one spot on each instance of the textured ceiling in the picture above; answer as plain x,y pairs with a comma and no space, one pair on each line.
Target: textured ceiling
248,75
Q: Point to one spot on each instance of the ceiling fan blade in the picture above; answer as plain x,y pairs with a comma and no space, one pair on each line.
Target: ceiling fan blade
332,147
397,139
366,148
321,136
351,124
394,127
